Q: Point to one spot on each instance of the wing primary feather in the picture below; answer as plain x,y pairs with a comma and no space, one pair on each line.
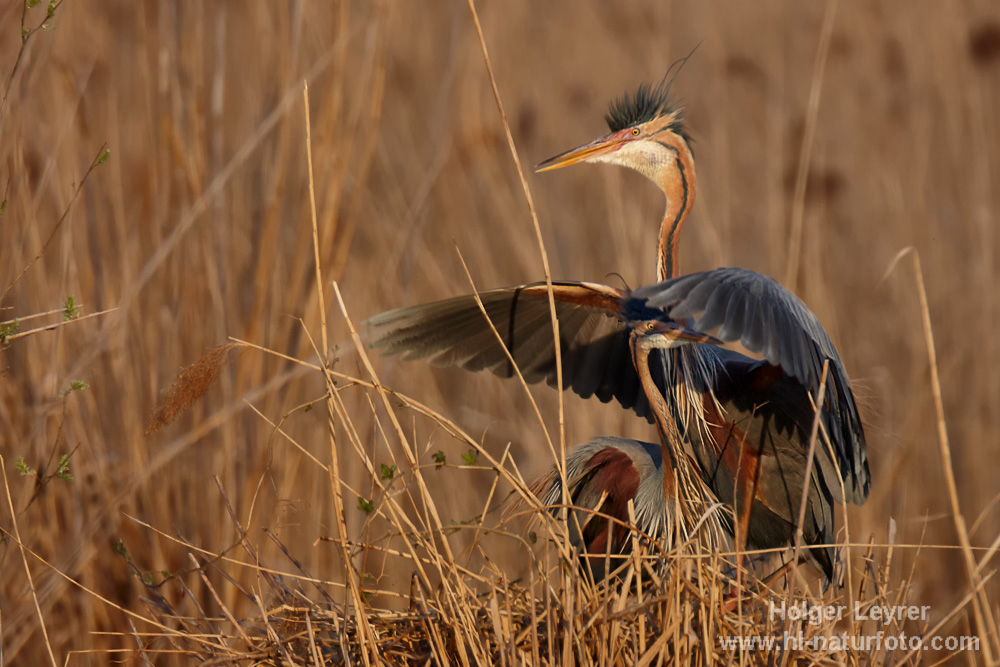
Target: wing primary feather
510,330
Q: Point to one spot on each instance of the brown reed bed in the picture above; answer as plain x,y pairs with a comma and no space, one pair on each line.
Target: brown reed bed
658,608
352,521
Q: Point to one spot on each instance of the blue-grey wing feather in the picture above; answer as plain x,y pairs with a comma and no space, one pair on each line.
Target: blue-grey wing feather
595,351
741,305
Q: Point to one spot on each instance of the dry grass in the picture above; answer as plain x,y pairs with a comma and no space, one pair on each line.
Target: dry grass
199,227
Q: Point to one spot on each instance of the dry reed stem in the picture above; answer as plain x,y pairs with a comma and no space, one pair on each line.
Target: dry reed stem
218,601
849,567
556,339
510,359
805,154
26,35
334,470
513,477
98,160
559,459
983,611
445,562
820,395
969,597
222,558
211,193
398,518
315,224
165,629
276,428
35,316
54,326
24,559
409,450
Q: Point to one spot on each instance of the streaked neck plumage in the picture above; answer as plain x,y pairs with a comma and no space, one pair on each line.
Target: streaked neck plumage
678,181
669,435
664,157
694,502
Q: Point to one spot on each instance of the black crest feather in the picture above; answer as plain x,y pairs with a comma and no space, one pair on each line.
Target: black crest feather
644,105
647,103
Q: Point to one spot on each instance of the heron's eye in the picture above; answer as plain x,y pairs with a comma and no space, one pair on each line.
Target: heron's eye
650,326
635,132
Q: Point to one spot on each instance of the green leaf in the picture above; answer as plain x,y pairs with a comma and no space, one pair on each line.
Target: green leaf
365,506
470,457
23,469
532,537
78,385
103,157
62,472
388,471
439,459
71,310
8,329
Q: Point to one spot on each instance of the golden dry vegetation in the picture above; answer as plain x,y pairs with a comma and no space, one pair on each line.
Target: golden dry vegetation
870,127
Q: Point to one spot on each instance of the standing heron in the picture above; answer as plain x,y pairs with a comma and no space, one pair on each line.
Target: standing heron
747,420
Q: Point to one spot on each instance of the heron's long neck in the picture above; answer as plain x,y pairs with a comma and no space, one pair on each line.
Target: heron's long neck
669,433
678,182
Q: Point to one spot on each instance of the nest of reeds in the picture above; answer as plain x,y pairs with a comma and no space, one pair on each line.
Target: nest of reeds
427,601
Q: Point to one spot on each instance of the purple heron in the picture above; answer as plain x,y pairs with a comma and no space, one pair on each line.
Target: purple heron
669,497
747,420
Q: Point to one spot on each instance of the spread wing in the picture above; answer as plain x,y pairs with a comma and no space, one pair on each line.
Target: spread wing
596,360
741,305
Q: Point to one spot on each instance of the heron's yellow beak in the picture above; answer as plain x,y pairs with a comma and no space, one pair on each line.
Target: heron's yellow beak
674,334
583,153
690,336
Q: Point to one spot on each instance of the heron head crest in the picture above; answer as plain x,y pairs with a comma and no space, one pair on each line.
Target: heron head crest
649,103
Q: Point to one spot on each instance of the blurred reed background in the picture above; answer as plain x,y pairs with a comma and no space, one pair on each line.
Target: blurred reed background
198,228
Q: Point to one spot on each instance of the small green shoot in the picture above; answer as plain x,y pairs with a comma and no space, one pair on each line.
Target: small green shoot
8,329
71,310
62,472
23,469
439,459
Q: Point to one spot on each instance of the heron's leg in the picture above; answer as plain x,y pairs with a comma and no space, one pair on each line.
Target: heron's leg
747,477
732,599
